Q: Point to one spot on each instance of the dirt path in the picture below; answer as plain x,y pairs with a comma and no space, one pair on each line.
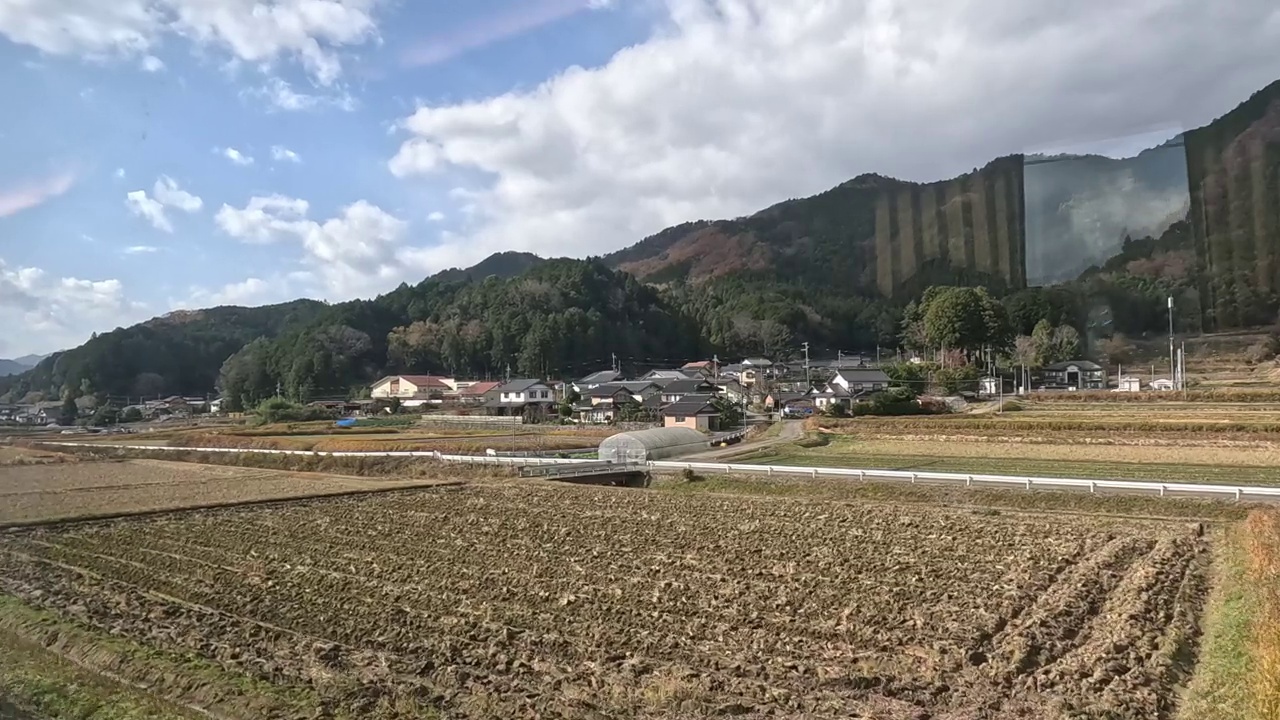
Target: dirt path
792,430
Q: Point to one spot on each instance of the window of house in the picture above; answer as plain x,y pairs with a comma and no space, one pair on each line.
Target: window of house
681,418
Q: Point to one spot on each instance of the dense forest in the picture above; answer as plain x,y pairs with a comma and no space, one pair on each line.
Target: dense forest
842,270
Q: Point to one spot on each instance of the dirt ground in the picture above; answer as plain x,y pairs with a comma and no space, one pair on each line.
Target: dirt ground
532,600
38,492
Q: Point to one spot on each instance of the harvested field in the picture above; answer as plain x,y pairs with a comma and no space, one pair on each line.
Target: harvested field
531,600
85,489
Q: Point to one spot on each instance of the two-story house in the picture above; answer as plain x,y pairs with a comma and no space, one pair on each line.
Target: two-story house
1074,375
694,411
523,397
414,390
595,380
860,380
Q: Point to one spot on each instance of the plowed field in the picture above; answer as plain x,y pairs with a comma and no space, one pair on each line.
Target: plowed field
523,601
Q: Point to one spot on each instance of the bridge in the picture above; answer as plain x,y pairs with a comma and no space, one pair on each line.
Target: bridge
591,473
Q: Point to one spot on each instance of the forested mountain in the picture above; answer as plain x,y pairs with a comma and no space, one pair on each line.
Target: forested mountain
836,270
501,265
559,316
178,353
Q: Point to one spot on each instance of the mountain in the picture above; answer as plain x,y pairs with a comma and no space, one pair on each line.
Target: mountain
501,265
1080,208
12,367
872,236
179,353
1114,238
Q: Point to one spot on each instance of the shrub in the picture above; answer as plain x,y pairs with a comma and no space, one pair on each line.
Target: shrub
278,409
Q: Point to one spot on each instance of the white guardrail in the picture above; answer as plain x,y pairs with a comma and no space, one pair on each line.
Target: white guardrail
1237,492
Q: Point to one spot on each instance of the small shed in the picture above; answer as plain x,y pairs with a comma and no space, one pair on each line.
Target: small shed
1129,383
654,444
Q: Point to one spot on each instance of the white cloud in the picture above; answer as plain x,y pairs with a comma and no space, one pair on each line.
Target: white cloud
283,154
140,249
152,64
235,156
734,105
144,207
436,216
41,313
167,191
282,96
166,194
119,173
354,253
31,193
312,33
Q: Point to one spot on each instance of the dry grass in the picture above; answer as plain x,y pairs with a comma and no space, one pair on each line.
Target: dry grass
1210,394
963,447
11,456
1264,574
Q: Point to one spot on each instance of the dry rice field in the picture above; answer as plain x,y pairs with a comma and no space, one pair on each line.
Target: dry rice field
56,491
506,600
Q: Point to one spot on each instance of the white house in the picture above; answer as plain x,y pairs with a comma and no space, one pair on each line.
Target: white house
1162,385
861,380
414,390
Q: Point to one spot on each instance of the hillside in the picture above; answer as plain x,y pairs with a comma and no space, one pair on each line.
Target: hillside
12,367
872,236
501,265
178,353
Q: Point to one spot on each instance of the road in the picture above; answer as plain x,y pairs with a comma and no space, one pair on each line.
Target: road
792,430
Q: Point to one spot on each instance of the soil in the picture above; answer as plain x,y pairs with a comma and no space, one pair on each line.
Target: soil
531,600
32,493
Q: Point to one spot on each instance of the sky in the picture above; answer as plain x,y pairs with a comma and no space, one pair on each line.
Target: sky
158,155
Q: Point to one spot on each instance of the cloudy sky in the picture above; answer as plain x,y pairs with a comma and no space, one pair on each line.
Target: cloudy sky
165,154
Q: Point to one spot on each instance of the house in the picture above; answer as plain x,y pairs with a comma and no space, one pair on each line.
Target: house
733,370
1162,385
705,368
1130,383
678,389
414,390
595,380
479,392
1074,375
694,411
778,400
44,412
861,380
833,394
522,397
731,390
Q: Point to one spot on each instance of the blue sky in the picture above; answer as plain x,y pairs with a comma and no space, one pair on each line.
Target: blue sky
169,154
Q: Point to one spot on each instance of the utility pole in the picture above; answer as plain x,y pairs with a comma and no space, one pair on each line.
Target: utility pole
614,362
715,366
806,364
1172,370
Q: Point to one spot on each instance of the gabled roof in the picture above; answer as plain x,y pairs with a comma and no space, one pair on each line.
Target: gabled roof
699,365
758,362
667,374
638,386
518,386
422,381
685,387
1082,364
864,375
608,390
599,378
691,405
481,388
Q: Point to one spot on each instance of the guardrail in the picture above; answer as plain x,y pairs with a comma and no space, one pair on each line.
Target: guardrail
1163,489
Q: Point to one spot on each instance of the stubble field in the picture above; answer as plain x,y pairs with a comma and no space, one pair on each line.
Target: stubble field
531,600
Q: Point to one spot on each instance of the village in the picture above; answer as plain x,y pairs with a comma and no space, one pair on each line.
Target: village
703,395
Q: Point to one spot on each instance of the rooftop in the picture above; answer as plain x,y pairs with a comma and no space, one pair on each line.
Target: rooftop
691,405
518,386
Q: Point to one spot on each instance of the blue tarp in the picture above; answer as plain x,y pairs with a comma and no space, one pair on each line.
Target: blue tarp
346,423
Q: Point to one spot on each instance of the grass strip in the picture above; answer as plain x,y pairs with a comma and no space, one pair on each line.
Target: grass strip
1264,580
1220,688
837,456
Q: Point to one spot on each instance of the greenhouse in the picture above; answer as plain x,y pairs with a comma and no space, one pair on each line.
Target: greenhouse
655,444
